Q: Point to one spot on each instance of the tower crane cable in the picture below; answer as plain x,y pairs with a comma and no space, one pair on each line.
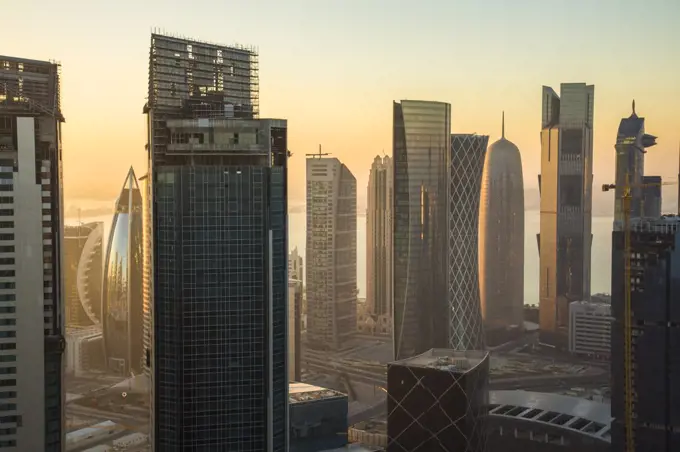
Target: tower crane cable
627,313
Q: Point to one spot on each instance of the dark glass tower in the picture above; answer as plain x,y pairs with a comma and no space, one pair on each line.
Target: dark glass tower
122,284
421,163
219,253
655,292
565,183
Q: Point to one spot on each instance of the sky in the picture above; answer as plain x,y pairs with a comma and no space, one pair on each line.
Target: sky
333,67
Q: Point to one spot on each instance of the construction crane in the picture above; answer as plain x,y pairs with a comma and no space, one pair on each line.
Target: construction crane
626,198
318,154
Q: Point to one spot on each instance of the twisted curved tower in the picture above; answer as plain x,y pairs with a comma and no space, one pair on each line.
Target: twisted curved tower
501,236
465,319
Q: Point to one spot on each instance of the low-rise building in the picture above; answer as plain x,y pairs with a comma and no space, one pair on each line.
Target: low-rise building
590,328
318,418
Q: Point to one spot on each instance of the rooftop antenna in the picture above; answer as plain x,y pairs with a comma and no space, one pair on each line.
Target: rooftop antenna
503,125
318,155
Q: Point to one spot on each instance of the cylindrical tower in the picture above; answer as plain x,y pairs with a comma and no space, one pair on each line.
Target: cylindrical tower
501,237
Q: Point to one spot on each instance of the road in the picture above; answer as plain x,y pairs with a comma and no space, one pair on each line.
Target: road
131,421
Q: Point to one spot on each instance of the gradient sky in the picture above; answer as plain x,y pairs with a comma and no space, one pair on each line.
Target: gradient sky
333,68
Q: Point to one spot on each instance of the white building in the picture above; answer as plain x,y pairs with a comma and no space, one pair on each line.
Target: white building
590,328
331,253
31,280
379,238
80,344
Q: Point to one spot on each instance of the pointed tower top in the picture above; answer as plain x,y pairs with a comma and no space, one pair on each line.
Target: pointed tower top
634,114
503,125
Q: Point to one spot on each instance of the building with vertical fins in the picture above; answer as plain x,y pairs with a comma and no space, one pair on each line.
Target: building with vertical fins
422,163
655,319
147,282
565,184
122,293
331,253
501,238
631,144
83,258
468,152
218,178
379,263
31,254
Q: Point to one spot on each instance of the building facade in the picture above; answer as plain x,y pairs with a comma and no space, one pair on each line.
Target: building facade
218,179
31,253
83,263
294,330
438,401
422,164
380,200
501,237
590,327
468,152
631,142
318,418
565,183
655,316
295,265
331,253
122,291
651,197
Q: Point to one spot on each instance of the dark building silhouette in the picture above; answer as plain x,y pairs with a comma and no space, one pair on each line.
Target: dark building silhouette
565,183
218,180
318,418
122,285
421,163
501,238
651,197
631,144
655,296
83,262
438,401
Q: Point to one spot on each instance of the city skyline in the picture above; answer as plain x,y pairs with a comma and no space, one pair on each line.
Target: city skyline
593,54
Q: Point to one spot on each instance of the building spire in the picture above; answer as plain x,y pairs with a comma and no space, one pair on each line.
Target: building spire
503,125
634,114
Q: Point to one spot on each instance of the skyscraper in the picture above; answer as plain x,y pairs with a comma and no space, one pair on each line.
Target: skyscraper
219,251
466,331
295,265
379,263
651,197
294,330
501,237
83,258
31,230
631,142
565,184
655,291
421,158
331,253
122,296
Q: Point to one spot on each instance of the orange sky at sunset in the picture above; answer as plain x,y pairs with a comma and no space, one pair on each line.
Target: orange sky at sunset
334,70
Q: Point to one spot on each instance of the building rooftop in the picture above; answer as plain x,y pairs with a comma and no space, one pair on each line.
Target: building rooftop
582,415
303,392
79,435
594,306
445,359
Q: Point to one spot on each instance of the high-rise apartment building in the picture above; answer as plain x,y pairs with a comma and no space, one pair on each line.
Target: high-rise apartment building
468,152
83,258
501,237
565,184
631,142
219,251
655,320
31,278
331,253
122,289
590,325
295,265
422,163
379,262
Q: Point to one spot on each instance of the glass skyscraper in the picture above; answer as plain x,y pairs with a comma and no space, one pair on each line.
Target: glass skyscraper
122,284
219,265
565,183
421,163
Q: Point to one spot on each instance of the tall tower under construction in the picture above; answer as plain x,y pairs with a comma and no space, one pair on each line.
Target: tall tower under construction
219,270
